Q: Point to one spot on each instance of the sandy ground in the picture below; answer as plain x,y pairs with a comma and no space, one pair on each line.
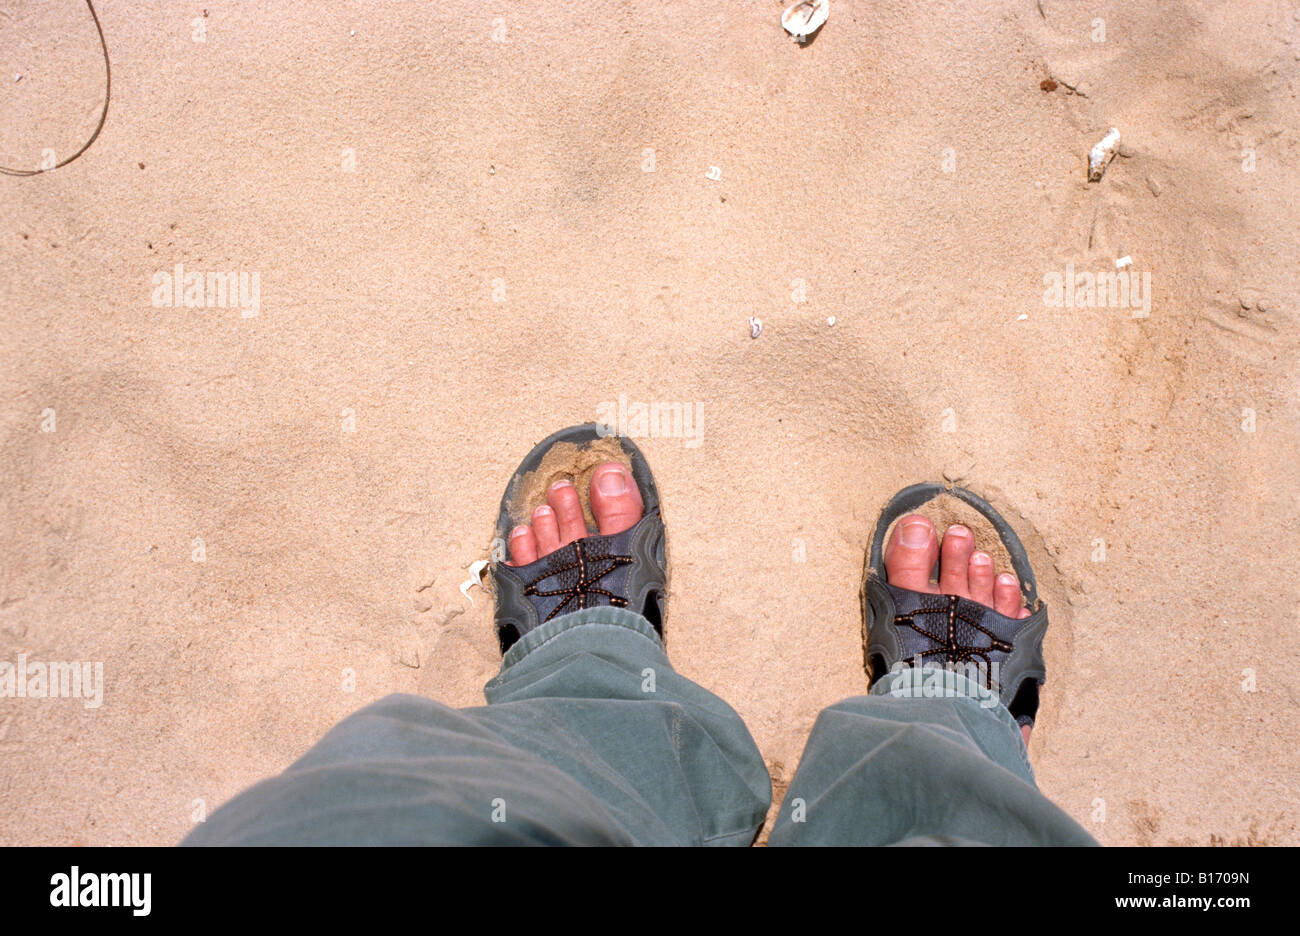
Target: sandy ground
460,249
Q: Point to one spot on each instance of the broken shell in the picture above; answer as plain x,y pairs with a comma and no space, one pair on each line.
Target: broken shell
1099,156
755,327
475,578
803,19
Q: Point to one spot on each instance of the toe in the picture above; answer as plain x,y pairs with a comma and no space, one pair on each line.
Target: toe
980,576
615,499
563,498
1006,596
546,529
911,552
523,546
954,560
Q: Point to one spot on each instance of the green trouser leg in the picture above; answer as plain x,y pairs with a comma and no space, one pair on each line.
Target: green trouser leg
930,757
589,738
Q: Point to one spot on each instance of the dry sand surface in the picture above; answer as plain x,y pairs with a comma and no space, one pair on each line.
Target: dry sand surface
460,249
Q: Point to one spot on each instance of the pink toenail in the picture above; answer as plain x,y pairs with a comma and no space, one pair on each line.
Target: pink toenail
518,532
543,509
1007,578
612,483
958,529
563,482
915,533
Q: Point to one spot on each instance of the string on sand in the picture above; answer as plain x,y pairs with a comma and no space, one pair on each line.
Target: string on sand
103,114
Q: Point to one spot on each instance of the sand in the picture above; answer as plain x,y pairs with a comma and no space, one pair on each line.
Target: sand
564,461
260,523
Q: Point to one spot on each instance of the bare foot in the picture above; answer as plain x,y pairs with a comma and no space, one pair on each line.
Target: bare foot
615,502
963,570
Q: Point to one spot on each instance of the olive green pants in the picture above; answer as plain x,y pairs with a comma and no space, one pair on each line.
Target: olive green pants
590,737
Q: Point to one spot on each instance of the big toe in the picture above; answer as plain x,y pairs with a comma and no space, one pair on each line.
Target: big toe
913,547
615,499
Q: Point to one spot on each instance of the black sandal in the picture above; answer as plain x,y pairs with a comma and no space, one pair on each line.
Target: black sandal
623,570
901,626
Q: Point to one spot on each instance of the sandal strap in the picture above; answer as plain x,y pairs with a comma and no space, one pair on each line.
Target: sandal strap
622,570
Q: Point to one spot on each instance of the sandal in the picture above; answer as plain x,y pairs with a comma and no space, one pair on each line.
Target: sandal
623,570
901,626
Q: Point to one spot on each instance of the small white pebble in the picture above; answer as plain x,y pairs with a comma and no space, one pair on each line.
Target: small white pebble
352,32
1101,154
831,320
1122,262
755,327
1021,317
18,77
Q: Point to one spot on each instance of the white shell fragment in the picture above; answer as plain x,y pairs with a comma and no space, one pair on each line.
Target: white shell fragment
755,327
804,18
1099,156
475,578
1123,262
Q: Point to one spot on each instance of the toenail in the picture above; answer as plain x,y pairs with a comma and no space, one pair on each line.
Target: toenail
612,483
563,482
1006,578
981,558
518,532
916,533
958,529
543,509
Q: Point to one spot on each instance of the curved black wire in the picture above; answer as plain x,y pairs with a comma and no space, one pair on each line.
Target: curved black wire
103,115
